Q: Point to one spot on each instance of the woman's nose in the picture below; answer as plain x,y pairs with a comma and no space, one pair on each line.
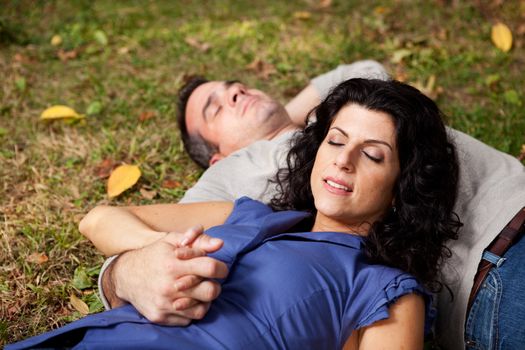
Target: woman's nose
344,159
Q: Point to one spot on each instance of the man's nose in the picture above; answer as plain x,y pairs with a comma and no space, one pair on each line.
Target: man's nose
234,93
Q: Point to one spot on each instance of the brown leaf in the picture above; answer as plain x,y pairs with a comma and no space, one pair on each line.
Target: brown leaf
79,305
148,194
104,168
67,55
122,178
37,258
261,68
323,4
146,115
170,184
521,156
197,44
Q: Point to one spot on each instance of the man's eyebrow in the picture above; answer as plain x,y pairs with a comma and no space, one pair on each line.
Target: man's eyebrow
366,141
227,84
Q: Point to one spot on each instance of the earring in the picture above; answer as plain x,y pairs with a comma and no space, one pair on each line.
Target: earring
394,209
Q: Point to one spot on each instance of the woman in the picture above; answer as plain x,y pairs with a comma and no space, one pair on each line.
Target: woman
356,235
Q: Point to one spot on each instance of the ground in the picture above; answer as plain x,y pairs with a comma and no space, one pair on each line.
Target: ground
120,63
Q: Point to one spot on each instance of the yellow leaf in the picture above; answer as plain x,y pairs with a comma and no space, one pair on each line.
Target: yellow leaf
501,37
122,178
56,40
302,15
60,112
79,305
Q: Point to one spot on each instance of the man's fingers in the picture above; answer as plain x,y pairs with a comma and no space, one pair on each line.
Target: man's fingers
205,291
185,253
197,311
174,320
191,235
180,305
205,267
186,282
207,243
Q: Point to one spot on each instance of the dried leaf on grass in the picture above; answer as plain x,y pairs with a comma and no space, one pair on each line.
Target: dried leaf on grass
147,194
197,44
56,40
323,4
261,68
64,55
501,37
103,169
146,115
37,258
170,184
302,15
79,305
521,156
122,178
60,112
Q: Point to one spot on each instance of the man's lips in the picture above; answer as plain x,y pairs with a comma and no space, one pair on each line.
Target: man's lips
247,103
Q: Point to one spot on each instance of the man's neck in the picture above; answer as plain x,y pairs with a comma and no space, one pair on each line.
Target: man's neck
282,130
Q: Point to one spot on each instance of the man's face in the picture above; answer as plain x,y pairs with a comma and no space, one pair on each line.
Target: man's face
231,116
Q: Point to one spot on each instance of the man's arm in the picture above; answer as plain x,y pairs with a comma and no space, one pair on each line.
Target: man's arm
319,87
168,284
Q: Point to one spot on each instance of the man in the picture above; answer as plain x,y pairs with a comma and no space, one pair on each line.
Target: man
223,119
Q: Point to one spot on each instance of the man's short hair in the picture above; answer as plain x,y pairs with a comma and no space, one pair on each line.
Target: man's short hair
198,149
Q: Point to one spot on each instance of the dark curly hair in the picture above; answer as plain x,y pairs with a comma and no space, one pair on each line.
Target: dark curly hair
198,149
411,238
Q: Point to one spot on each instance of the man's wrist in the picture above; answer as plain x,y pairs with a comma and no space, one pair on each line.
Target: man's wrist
108,286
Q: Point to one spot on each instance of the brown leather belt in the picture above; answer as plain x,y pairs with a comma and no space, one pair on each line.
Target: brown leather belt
499,246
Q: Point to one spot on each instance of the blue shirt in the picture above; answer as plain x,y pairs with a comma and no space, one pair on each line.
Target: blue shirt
306,290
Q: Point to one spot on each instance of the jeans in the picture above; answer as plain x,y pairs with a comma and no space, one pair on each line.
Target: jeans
497,317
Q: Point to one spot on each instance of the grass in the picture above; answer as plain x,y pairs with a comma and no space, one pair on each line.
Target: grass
120,59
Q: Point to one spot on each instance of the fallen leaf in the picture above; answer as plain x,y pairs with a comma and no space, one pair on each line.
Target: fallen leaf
60,112
122,178
399,55
79,305
37,258
521,156
148,194
197,44
146,115
81,279
170,184
323,4
302,15
263,69
56,40
103,170
94,107
100,37
501,37
64,55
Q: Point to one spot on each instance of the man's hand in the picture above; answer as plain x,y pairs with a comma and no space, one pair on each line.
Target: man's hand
168,281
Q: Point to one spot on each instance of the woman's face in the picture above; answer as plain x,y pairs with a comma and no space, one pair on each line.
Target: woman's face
355,170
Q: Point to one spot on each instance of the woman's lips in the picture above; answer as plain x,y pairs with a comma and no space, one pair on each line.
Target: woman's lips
337,186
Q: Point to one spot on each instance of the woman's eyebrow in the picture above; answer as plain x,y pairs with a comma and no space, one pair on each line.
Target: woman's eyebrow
366,141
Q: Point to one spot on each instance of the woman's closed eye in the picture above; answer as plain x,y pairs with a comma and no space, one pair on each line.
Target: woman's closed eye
373,157
335,143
